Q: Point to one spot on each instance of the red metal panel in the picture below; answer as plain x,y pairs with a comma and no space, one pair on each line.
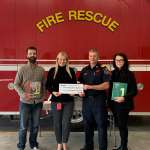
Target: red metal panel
9,98
19,28
142,101
25,26
7,29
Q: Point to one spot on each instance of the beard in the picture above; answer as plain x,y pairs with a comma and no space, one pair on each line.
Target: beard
32,59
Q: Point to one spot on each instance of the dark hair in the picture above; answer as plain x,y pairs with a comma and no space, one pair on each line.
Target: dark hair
31,47
126,64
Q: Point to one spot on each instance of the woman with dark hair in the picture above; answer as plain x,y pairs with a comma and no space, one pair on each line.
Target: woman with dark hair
122,91
62,104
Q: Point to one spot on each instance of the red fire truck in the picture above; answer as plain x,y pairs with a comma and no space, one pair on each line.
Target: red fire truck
75,26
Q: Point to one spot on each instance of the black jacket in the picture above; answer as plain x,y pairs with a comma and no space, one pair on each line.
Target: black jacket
124,76
94,76
62,76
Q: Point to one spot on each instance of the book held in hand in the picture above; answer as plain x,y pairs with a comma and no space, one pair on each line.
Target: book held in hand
34,88
119,89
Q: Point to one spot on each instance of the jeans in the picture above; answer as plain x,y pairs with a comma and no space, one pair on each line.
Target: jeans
95,112
62,120
29,112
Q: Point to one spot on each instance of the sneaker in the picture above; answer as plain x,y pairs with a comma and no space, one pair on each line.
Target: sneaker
34,148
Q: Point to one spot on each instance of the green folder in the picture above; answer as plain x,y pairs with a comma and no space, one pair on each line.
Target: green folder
119,89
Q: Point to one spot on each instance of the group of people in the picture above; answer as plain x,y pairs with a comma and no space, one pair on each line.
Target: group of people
31,85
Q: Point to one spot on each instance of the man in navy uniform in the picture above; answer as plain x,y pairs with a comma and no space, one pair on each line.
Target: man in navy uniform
96,81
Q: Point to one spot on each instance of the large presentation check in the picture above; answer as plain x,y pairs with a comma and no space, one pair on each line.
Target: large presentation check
71,88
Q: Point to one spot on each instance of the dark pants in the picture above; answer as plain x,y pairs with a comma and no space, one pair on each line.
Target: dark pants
29,112
94,111
121,119
62,120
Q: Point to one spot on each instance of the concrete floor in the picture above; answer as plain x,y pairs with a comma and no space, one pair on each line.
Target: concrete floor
139,136
137,141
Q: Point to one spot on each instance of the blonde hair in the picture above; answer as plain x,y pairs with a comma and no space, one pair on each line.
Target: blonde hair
64,54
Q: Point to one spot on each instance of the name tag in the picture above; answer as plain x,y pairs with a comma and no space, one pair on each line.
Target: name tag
59,106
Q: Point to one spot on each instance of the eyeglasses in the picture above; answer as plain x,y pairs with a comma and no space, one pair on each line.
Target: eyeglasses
119,60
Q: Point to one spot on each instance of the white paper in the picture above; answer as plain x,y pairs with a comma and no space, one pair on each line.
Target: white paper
71,88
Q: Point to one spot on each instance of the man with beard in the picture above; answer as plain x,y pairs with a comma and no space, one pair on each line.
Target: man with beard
30,86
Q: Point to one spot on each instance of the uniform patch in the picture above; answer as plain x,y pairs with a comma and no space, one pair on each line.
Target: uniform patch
107,71
97,72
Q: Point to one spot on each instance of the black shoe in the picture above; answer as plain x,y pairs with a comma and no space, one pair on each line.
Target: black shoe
124,148
117,148
83,148
120,148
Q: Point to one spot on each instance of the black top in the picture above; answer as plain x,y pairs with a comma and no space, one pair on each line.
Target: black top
94,76
62,76
124,76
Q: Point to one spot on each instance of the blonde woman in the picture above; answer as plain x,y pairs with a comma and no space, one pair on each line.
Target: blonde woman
62,104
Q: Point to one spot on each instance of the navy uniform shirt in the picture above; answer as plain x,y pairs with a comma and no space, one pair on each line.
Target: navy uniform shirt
94,76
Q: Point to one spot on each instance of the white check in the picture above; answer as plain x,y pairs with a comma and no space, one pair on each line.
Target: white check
71,88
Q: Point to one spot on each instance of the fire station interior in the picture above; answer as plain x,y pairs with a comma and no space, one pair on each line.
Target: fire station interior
75,27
